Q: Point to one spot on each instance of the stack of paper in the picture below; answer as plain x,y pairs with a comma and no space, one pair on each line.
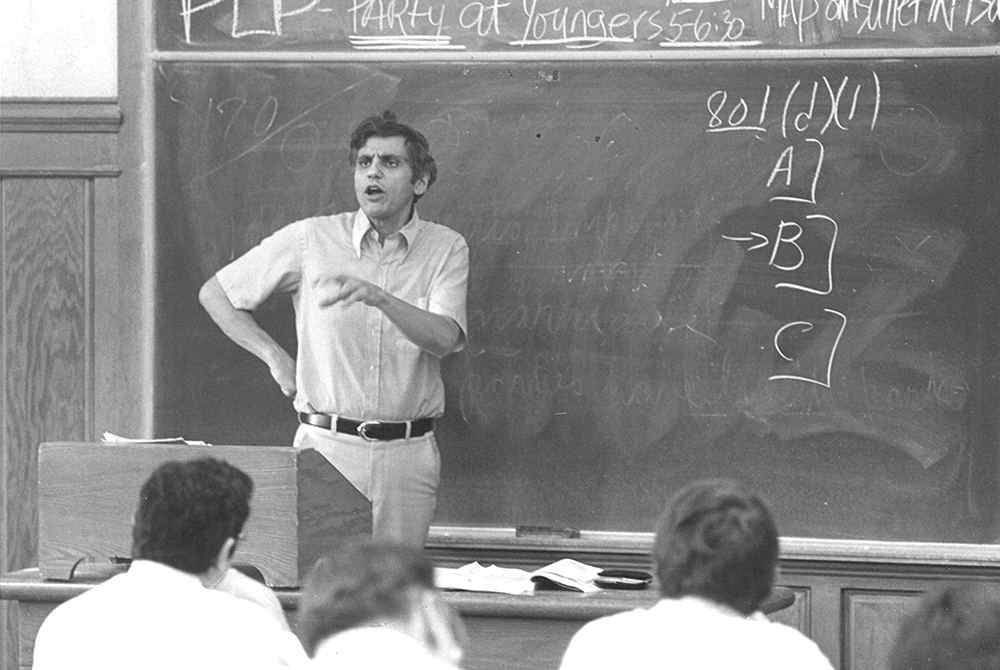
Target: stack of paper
111,437
566,573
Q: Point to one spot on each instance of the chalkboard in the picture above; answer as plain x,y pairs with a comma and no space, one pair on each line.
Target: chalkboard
457,27
780,271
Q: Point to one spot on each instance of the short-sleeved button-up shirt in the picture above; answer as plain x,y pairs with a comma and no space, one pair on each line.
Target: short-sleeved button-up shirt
691,632
156,617
353,361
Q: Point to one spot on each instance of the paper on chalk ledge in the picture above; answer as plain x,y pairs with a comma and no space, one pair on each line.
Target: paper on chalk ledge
566,573
111,437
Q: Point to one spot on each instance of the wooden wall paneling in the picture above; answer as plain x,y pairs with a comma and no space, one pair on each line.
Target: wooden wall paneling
30,619
871,619
59,157
46,307
10,634
797,615
824,617
80,138
58,183
536,644
45,302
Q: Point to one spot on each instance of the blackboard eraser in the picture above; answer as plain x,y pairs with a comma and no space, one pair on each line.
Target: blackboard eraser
553,532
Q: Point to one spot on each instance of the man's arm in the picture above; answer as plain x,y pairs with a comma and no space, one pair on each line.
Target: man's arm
436,334
240,326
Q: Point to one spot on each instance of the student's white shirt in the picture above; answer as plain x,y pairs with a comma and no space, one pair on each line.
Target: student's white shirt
691,633
156,617
374,648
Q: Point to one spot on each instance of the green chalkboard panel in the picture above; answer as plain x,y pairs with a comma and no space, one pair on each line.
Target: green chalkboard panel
781,271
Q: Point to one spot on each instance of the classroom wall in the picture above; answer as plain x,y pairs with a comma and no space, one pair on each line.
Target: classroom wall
58,170
58,49
75,371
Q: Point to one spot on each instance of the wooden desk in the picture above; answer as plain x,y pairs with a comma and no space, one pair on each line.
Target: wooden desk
528,632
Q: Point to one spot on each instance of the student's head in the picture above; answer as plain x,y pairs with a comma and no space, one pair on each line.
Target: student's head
955,627
718,541
367,582
187,512
418,151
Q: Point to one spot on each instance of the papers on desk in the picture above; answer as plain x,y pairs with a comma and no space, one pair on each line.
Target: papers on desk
565,573
111,437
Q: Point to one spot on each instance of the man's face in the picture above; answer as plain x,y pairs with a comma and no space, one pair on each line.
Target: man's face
383,182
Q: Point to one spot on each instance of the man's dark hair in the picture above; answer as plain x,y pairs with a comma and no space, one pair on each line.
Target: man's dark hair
955,627
187,511
718,541
359,582
387,125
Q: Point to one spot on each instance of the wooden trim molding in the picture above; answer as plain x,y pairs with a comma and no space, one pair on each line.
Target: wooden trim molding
879,551
59,115
636,547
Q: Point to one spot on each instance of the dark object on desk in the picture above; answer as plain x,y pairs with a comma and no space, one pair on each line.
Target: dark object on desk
85,570
250,571
624,579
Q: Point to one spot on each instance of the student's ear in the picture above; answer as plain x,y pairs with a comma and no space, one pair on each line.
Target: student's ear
225,558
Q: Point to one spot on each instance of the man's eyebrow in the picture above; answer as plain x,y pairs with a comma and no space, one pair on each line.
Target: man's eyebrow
383,156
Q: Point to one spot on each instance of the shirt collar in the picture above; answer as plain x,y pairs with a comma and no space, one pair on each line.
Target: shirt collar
363,639
162,572
706,604
362,225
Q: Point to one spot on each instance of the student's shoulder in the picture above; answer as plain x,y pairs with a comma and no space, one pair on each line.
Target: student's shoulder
83,608
629,622
608,641
233,604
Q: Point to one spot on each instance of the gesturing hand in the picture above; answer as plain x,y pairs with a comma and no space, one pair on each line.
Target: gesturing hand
348,290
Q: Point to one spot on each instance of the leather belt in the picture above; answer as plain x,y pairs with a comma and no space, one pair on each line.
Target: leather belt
373,431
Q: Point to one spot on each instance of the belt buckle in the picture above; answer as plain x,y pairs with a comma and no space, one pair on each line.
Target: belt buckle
363,430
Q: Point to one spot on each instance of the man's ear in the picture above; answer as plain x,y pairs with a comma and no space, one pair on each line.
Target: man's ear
225,558
420,185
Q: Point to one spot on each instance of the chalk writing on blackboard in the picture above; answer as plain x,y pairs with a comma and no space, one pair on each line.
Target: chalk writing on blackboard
786,254
785,239
726,114
436,25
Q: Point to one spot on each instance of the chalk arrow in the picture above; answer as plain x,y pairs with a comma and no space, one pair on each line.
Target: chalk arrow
756,236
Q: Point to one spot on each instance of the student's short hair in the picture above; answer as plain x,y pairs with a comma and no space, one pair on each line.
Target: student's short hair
360,581
387,125
955,627
187,510
718,541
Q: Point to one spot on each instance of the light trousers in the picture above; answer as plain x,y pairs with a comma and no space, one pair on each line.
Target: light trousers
399,477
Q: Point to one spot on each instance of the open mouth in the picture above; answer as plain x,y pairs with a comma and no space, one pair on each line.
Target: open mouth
373,190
